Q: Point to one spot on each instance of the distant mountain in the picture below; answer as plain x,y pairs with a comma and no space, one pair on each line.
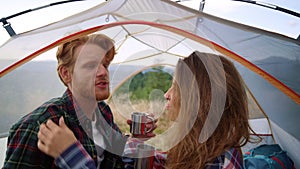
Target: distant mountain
25,88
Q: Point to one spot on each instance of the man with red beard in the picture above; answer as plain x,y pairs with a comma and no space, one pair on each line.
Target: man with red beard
83,68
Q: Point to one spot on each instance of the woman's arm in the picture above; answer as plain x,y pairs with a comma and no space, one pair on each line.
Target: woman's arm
75,157
60,143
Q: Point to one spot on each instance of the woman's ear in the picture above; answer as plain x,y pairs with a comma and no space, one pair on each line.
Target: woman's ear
65,74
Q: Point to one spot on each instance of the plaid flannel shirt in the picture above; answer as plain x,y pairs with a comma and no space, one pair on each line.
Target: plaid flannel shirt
76,157
230,159
22,151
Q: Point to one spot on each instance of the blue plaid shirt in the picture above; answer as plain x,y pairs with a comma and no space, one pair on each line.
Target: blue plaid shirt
75,157
230,159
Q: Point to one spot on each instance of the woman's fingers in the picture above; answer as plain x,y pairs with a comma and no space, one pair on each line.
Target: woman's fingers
44,133
47,148
54,139
41,146
47,130
151,126
52,126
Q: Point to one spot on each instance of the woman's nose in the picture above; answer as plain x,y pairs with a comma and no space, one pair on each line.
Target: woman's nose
166,95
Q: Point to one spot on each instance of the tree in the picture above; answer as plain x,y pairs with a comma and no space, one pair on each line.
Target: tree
142,84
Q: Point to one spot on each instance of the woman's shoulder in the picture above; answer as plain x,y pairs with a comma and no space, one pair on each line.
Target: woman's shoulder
233,158
229,159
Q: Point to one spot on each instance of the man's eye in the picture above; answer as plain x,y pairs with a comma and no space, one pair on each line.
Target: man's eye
91,66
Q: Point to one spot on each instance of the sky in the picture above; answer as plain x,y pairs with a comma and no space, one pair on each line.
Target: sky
246,13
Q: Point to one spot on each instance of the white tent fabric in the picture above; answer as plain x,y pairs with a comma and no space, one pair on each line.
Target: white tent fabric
162,32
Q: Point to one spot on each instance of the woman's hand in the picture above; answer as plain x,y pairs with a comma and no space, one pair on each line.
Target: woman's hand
55,139
150,125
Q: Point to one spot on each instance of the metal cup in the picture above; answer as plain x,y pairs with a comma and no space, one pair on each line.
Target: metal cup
145,159
139,121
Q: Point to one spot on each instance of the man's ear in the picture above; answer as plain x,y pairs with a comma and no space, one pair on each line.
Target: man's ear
65,74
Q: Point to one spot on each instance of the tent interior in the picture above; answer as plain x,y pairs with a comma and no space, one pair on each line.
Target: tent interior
151,34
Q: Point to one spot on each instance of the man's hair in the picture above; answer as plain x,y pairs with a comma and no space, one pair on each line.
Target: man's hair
65,52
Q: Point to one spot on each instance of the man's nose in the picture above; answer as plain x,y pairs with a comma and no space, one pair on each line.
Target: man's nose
101,71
